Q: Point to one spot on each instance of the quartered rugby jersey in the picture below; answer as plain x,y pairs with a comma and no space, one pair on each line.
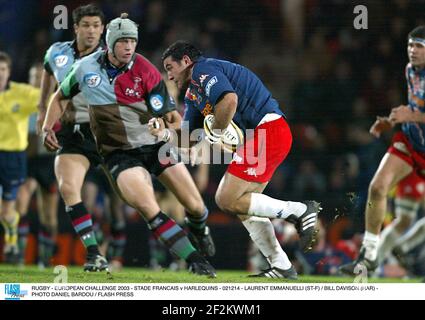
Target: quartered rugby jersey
416,95
58,61
120,105
212,78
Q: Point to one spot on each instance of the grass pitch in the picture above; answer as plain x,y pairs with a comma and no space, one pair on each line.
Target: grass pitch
32,274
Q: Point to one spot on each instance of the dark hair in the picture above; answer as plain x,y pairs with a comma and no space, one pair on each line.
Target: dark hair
88,10
182,48
418,32
4,57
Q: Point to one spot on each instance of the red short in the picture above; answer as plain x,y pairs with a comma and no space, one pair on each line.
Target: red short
402,148
412,187
262,152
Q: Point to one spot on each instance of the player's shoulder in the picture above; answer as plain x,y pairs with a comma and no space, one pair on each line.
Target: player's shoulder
20,86
59,47
143,63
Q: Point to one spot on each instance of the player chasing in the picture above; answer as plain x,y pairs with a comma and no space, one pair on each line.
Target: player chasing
123,91
231,92
78,149
405,155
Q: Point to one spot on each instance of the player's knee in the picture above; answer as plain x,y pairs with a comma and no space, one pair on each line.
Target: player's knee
378,189
224,202
195,206
68,190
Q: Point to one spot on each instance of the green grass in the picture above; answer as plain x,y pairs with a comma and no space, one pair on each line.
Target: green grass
32,274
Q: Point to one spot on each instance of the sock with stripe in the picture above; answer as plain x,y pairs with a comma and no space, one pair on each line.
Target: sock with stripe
118,242
82,223
197,224
46,244
169,233
264,206
23,231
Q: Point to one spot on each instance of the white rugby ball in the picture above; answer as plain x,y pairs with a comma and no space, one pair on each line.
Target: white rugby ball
232,136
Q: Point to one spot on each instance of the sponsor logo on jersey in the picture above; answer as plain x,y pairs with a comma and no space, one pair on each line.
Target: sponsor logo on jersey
92,79
202,78
136,80
16,108
209,85
60,60
156,102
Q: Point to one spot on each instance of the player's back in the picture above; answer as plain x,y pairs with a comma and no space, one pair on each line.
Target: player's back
254,99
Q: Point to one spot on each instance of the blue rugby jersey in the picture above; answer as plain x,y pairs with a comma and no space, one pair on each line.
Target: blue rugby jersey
416,97
212,78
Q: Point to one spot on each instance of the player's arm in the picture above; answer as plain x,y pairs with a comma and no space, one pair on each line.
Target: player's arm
48,83
68,88
403,113
224,110
221,94
381,125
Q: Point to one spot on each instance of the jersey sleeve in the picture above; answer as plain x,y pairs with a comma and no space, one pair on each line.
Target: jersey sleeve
159,100
213,82
70,86
157,97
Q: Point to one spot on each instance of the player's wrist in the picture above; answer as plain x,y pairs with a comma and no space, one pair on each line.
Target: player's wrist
166,135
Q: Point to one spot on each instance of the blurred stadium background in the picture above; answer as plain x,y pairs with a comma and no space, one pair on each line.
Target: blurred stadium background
331,80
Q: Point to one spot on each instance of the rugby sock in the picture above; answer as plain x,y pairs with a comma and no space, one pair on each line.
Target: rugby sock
23,231
157,253
265,206
413,237
388,239
5,230
11,229
370,243
169,233
197,223
119,240
46,244
262,234
82,223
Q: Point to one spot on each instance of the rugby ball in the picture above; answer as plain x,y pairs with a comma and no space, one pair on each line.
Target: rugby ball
232,136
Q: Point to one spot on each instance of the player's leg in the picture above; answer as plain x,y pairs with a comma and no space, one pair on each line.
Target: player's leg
70,170
414,237
22,204
10,220
118,230
262,233
409,193
136,188
48,224
259,158
179,181
13,169
391,170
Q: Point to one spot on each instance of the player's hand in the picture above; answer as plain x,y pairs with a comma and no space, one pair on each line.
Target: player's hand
156,127
40,120
199,153
381,125
49,139
401,114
